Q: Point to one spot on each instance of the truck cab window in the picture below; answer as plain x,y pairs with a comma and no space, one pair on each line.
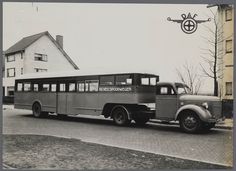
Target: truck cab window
165,90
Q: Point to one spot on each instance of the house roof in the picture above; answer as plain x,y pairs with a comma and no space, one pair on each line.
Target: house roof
27,41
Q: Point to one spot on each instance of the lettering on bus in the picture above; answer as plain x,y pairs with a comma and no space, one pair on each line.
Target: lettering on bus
115,89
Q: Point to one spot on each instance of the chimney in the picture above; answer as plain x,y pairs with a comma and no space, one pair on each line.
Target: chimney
59,40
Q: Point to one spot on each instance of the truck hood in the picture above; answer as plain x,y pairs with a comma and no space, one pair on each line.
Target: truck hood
198,98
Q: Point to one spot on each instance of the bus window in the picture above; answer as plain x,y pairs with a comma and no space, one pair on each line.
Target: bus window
91,85
80,86
53,87
35,87
46,87
19,86
71,87
144,81
27,87
62,87
123,80
107,80
153,81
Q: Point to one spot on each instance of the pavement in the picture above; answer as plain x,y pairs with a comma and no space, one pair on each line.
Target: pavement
226,123
215,146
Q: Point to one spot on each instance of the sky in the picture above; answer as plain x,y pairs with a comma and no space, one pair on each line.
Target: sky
121,37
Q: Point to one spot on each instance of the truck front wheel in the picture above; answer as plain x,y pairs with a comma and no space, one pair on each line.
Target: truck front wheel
190,122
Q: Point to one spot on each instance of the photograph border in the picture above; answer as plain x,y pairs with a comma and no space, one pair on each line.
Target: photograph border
233,2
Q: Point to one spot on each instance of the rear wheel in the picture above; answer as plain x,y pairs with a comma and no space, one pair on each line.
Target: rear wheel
120,116
190,122
37,111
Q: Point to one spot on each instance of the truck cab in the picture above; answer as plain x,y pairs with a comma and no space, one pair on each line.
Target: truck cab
175,102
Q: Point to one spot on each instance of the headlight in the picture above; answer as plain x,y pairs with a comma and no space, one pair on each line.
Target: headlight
205,105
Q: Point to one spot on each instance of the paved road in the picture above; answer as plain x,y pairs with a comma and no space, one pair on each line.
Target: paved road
215,146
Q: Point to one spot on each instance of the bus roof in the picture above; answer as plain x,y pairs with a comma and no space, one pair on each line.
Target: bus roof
72,74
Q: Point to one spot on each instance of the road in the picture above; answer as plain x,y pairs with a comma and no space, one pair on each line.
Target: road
215,146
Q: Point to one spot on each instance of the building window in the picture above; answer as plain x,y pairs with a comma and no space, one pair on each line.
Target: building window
11,58
228,14
40,57
40,70
11,72
228,87
228,46
21,71
21,55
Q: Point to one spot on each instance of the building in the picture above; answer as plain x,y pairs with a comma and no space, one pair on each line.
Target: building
226,55
225,48
36,53
226,18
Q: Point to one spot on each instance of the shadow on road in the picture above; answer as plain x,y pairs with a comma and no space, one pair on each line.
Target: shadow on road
109,122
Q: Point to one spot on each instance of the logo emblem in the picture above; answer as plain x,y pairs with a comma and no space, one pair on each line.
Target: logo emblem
188,23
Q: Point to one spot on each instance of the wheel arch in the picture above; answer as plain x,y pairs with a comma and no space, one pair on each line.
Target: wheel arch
202,113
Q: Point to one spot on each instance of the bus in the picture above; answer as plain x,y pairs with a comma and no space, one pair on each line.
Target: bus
121,96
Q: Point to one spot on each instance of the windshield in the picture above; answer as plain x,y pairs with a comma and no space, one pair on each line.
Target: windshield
183,89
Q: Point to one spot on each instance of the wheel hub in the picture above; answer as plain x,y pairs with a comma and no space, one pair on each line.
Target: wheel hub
190,122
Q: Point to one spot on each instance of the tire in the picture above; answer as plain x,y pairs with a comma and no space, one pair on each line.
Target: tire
190,122
141,121
120,117
37,111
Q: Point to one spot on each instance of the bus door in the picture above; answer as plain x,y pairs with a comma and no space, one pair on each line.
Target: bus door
62,99
166,102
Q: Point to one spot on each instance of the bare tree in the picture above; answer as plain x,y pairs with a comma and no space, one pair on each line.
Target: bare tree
188,74
212,56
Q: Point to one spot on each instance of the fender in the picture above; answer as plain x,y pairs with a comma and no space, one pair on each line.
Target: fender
128,113
203,113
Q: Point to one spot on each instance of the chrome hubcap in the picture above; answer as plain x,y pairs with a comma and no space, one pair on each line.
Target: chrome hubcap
190,122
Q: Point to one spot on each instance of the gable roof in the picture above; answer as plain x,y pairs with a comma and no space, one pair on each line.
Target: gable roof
27,41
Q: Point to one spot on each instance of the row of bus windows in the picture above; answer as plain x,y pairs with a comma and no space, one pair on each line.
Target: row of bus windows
62,87
125,80
81,86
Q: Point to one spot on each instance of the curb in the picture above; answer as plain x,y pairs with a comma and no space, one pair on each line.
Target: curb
174,123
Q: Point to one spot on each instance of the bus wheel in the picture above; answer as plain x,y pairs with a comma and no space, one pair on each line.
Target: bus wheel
190,122
37,112
120,116
141,121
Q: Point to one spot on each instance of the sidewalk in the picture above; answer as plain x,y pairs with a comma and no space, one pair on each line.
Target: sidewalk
226,124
